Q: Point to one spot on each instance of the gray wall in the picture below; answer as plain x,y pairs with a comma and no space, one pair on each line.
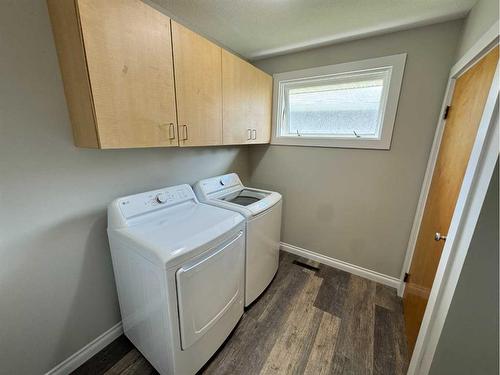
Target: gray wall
352,204
469,341
481,17
57,291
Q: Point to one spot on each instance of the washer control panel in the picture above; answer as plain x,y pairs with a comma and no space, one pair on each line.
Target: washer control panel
219,183
142,203
161,197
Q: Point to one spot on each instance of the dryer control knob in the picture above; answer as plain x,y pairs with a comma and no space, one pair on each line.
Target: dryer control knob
161,198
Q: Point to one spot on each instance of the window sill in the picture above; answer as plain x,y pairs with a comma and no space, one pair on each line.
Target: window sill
374,144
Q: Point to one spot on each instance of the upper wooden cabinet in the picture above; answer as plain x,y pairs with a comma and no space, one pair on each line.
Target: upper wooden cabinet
198,81
116,62
119,60
247,101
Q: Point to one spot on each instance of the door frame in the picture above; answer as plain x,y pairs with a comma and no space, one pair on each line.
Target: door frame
476,181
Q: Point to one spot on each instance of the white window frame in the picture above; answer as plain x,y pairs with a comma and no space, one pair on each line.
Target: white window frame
394,65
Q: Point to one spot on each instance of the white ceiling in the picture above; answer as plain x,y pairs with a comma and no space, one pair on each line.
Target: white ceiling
261,28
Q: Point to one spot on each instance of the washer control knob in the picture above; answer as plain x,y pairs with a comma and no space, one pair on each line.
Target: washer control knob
161,198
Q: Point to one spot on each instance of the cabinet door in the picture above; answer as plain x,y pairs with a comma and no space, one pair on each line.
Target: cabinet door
263,107
247,96
198,84
129,57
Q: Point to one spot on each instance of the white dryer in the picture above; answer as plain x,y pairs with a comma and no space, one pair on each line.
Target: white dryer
179,270
262,210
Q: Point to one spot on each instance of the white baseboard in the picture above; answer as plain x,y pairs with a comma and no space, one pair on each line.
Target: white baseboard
88,351
393,282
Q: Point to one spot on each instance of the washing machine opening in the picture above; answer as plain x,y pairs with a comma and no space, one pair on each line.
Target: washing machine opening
245,197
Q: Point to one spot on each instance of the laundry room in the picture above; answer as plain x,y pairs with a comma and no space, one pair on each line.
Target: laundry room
249,187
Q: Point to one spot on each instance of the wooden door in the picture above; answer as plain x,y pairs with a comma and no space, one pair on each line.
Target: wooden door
198,84
246,98
129,58
467,105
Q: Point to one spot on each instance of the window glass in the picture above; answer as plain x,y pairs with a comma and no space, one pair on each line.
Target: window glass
337,108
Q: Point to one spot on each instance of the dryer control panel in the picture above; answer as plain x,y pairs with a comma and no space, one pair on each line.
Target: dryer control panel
139,204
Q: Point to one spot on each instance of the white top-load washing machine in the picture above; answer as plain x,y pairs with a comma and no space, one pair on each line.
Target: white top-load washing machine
262,210
179,270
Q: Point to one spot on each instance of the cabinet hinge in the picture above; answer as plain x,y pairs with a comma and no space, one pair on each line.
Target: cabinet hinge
446,112
407,276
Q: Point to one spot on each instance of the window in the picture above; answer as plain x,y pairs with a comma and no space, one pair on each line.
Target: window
345,105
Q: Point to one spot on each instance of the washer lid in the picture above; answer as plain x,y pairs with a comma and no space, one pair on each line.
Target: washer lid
228,192
185,231
249,202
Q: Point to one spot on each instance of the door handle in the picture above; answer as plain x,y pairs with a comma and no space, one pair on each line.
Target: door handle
254,134
249,134
171,131
438,236
185,132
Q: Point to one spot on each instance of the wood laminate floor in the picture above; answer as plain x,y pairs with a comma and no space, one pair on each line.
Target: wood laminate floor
313,319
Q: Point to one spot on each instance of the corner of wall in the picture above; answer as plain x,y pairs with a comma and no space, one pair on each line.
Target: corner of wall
481,17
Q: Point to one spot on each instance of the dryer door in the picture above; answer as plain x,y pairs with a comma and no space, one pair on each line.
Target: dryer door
209,287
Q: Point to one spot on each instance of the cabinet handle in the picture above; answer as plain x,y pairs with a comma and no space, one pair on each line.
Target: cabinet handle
171,131
185,132
249,134
254,134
